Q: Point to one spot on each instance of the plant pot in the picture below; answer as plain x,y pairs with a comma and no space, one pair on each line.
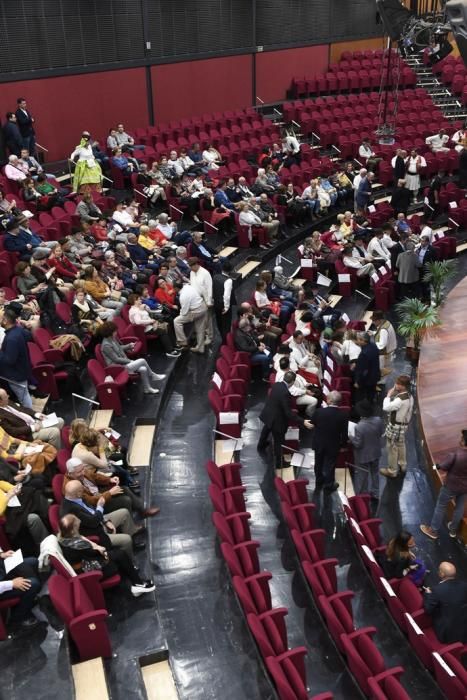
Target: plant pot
412,355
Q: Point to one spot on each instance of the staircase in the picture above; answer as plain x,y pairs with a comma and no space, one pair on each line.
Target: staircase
439,93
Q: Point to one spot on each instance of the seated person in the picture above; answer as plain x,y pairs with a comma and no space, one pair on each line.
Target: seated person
25,423
139,316
377,249
86,314
166,295
353,260
21,582
398,560
95,286
85,555
87,210
22,240
114,354
35,452
311,199
247,340
64,268
15,169
299,390
199,249
307,361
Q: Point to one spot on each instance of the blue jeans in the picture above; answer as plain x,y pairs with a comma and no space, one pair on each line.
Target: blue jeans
259,358
21,391
313,205
444,496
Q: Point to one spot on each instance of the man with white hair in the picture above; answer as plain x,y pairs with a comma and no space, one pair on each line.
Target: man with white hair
356,184
201,281
329,435
16,169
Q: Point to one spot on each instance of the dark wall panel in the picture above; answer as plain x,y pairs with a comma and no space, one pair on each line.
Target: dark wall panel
275,69
64,106
197,87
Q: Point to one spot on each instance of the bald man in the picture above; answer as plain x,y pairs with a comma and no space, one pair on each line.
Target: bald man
447,605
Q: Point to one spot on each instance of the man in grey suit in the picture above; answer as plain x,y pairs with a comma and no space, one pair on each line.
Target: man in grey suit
367,444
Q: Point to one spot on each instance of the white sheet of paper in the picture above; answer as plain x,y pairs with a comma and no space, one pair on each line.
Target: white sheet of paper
33,449
327,377
50,420
453,205
345,318
14,502
114,434
372,208
228,418
292,434
323,280
231,445
375,277
266,352
217,380
297,459
307,262
326,390
12,562
343,277
351,428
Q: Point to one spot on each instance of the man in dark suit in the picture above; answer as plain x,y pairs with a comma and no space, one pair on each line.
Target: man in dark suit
12,135
223,298
94,523
426,254
276,416
447,605
367,372
329,435
26,126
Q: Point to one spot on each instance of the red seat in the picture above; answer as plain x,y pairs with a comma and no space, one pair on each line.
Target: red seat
386,685
108,392
242,558
402,596
232,528
363,657
321,576
224,475
451,673
57,487
270,631
253,592
42,338
292,492
337,611
86,624
227,501
309,545
422,637
299,517
221,405
288,673
45,373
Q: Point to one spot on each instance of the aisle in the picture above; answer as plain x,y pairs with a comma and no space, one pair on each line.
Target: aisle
213,657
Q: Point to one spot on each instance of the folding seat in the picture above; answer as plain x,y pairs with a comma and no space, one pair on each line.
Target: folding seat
343,82
63,456
55,229
288,674
85,624
227,501
337,611
232,528
45,374
402,596
108,392
224,475
270,631
223,405
363,656
299,517
292,492
235,371
422,637
321,84
253,592
242,558
309,545
321,576
43,337
371,532
386,685
451,672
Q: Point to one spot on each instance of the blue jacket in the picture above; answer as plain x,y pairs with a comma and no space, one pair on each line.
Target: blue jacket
13,138
17,244
14,356
221,198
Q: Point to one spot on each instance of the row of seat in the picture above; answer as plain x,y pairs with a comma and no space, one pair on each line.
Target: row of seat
405,602
361,654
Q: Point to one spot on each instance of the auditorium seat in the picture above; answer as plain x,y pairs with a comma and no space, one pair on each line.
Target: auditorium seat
253,592
242,558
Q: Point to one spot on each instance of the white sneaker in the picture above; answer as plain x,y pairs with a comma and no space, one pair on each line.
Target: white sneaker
151,391
158,377
142,588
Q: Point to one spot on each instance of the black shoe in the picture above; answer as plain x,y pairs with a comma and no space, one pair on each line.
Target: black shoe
331,487
318,485
261,447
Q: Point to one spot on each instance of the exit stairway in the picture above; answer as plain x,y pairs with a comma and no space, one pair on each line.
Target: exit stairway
439,93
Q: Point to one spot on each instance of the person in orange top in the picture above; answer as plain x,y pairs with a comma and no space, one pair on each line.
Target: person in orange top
165,293
159,238
99,230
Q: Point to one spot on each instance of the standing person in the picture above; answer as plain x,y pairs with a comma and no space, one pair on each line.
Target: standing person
386,341
201,281
399,405
414,164
192,310
223,298
408,266
400,200
276,416
12,135
426,253
364,191
398,165
453,473
15,366
432,209
366,373
88,172
447,605
367,446
329,435
25,122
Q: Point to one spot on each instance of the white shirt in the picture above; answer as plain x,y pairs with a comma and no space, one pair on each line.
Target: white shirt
177,166
249,218
365,151
298,388
84,153
387,340
354,262
356,182
291,144
309,192
427,231
377,249
190,300
350,349
123,218
228,284
166,229
14,172
404,408
201,281
278,357
436,141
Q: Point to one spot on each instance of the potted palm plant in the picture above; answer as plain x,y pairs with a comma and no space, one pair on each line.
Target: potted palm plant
437,273
416,320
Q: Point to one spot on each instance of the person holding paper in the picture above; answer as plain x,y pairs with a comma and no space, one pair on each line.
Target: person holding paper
20,421
307,362
276,416
246,340
304,396
37,453
21,582
367,446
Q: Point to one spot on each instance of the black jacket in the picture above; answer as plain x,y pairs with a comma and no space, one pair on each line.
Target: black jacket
400,200
395,252
25,122
92,524
277,412
447,605
13,140
367,372
245,342
330,431
430,256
